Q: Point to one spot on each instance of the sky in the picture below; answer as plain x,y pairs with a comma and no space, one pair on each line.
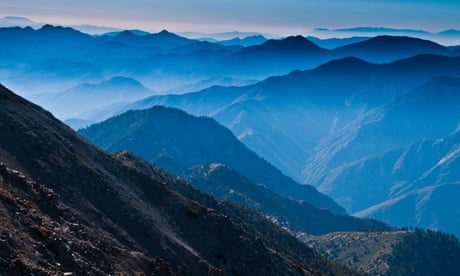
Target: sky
269,16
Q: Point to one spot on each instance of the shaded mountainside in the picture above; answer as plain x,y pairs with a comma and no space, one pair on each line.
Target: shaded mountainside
176,141
298,217
426,253
415,252
76,208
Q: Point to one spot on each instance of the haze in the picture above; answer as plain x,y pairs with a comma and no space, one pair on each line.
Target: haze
274,16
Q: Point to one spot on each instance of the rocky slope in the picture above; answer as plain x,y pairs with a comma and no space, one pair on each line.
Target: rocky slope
296,216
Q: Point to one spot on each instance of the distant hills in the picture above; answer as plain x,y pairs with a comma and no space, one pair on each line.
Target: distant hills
332,43
247,41
17,21
85,98
446,37
168,62
316,103
389,48
159,61
334,131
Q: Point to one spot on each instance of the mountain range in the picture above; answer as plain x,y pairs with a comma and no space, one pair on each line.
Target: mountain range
68,206
408,150
166,62
447,37
340,116
86,98
316,103
371,122
196,149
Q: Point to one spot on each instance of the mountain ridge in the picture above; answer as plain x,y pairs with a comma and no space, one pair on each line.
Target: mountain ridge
174,153
352,86
80,187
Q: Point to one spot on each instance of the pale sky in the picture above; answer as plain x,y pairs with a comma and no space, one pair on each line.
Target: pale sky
272,16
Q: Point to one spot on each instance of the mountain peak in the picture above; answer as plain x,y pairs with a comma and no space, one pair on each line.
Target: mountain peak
166,33
290,43
346,64
126,34
121,80
49,28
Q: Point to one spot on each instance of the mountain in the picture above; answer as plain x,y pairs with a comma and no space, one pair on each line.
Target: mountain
94,29
67,206
203,46
407,149
59,73
457,51
382,49
176,141
447,37
214,37
87,97
298,217
47,53
39,41
166,62
212,82
164,39
381,30
133,31
16,21
422,193
273,57
405,252
277,57
284,118
161,61
246,41
332,43
367,252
